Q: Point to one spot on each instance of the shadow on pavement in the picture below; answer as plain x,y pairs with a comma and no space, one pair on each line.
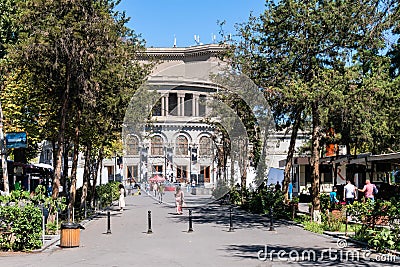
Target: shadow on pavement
220,215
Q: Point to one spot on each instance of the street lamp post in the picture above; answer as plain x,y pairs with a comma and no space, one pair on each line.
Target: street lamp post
193,159
165,162
143,161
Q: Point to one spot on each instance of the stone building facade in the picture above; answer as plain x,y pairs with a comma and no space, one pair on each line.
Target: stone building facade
178,144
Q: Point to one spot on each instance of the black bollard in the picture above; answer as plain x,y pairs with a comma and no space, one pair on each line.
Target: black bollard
108,222
190,222
271,213
230,220
149,231
111,196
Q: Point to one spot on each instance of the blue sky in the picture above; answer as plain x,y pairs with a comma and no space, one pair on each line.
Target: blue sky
159,21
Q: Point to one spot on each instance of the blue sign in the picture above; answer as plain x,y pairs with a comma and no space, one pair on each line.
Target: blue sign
16,140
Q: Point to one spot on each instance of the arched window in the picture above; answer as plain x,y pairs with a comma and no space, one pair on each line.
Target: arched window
205,146
181,145
157,146
132,145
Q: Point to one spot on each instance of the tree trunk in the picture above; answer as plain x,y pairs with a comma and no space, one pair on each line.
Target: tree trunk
243,166
98,161
61,137
54,154
86,170
289,157
225,153
315,158
64,176
232,180
74,167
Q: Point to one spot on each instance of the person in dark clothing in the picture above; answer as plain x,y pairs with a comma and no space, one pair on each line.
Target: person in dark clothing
278,186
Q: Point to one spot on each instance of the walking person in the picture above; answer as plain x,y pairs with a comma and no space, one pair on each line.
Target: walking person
277,186
121,201
160,192
333,198
155,188
368,190
290,191
179,198
188,187
349,193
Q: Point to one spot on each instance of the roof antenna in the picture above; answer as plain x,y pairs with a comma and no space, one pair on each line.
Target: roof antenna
213,38
174,40
197,39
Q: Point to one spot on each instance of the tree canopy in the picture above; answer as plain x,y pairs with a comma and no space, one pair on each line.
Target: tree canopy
307,55
77,58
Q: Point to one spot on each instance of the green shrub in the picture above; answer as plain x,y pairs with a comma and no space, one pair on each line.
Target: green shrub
263,200
302,218
235,196
369,214
256,203
381,239
51,228
313,227
21,215
106,193
25,224
325,202
333,222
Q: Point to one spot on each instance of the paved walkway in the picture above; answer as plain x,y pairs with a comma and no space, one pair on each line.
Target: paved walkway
210,244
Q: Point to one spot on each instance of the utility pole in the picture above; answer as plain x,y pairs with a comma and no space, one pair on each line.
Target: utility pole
3,154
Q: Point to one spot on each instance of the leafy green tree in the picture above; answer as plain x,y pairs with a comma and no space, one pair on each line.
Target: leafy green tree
8,35
75,51
8,27
298,52
25,110
361,116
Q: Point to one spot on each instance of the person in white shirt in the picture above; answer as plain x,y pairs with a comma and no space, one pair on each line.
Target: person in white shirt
349,193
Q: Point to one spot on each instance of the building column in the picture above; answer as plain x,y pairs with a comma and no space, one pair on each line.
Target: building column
181,104
195,105
206,108
166,104
162,106
178,107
